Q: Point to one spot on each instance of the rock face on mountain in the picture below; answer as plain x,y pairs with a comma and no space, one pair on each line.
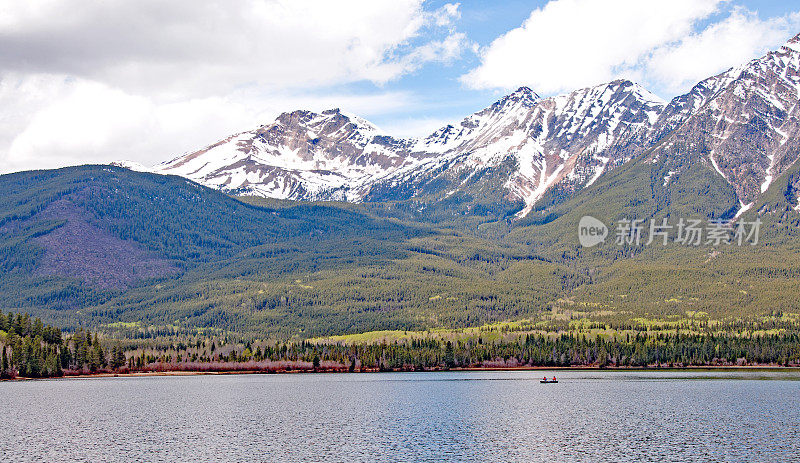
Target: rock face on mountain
743,123
302,155
533,142
528,142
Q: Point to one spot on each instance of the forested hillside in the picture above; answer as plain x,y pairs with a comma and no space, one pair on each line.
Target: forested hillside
475,224
153,258
94,245
630,281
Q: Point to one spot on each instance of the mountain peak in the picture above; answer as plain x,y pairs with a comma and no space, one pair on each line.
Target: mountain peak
525,91
305,116
523,95
633,87
625,84
308,114
621,83
793,43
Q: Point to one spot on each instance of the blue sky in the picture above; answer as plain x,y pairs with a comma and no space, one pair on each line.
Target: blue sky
441,95
150,80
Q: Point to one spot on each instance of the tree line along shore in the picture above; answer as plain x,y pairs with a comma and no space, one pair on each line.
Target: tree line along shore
31,349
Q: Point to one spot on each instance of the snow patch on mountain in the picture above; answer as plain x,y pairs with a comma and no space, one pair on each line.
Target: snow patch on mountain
133,165
336,155
744,122
742,209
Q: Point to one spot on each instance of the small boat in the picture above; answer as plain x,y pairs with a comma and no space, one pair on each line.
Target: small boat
548,381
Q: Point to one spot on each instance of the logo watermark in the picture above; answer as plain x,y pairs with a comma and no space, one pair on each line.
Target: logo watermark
591,231
687,232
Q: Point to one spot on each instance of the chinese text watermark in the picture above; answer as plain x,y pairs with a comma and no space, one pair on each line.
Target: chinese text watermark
687,232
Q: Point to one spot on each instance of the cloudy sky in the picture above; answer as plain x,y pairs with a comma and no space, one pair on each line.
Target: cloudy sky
103,80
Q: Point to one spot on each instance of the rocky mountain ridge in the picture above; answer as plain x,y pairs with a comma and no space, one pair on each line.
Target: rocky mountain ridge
743,123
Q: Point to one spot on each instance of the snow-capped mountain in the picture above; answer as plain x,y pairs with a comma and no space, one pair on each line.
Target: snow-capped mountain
744,123
302,155
565,139
332,155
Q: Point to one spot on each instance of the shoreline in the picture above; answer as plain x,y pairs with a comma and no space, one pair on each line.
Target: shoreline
772,368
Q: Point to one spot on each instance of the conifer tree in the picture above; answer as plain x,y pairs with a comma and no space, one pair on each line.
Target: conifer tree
4,373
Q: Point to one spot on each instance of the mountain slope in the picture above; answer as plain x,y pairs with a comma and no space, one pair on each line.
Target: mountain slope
514,150
504,159
534,143
744,123
302,155
669,282
97,245
71,234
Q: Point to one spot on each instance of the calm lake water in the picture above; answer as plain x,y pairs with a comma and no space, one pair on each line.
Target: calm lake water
454,416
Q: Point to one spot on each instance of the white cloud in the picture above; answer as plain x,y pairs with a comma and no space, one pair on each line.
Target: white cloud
83,121
87,122
568,44
734,40
146,80
188,48
667,45
445,15
445,50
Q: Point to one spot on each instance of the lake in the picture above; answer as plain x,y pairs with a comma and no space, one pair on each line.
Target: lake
442,416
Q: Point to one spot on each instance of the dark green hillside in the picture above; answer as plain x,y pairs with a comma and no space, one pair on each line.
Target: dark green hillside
77,236
635,190
145,257
96,245
174,217
666,282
